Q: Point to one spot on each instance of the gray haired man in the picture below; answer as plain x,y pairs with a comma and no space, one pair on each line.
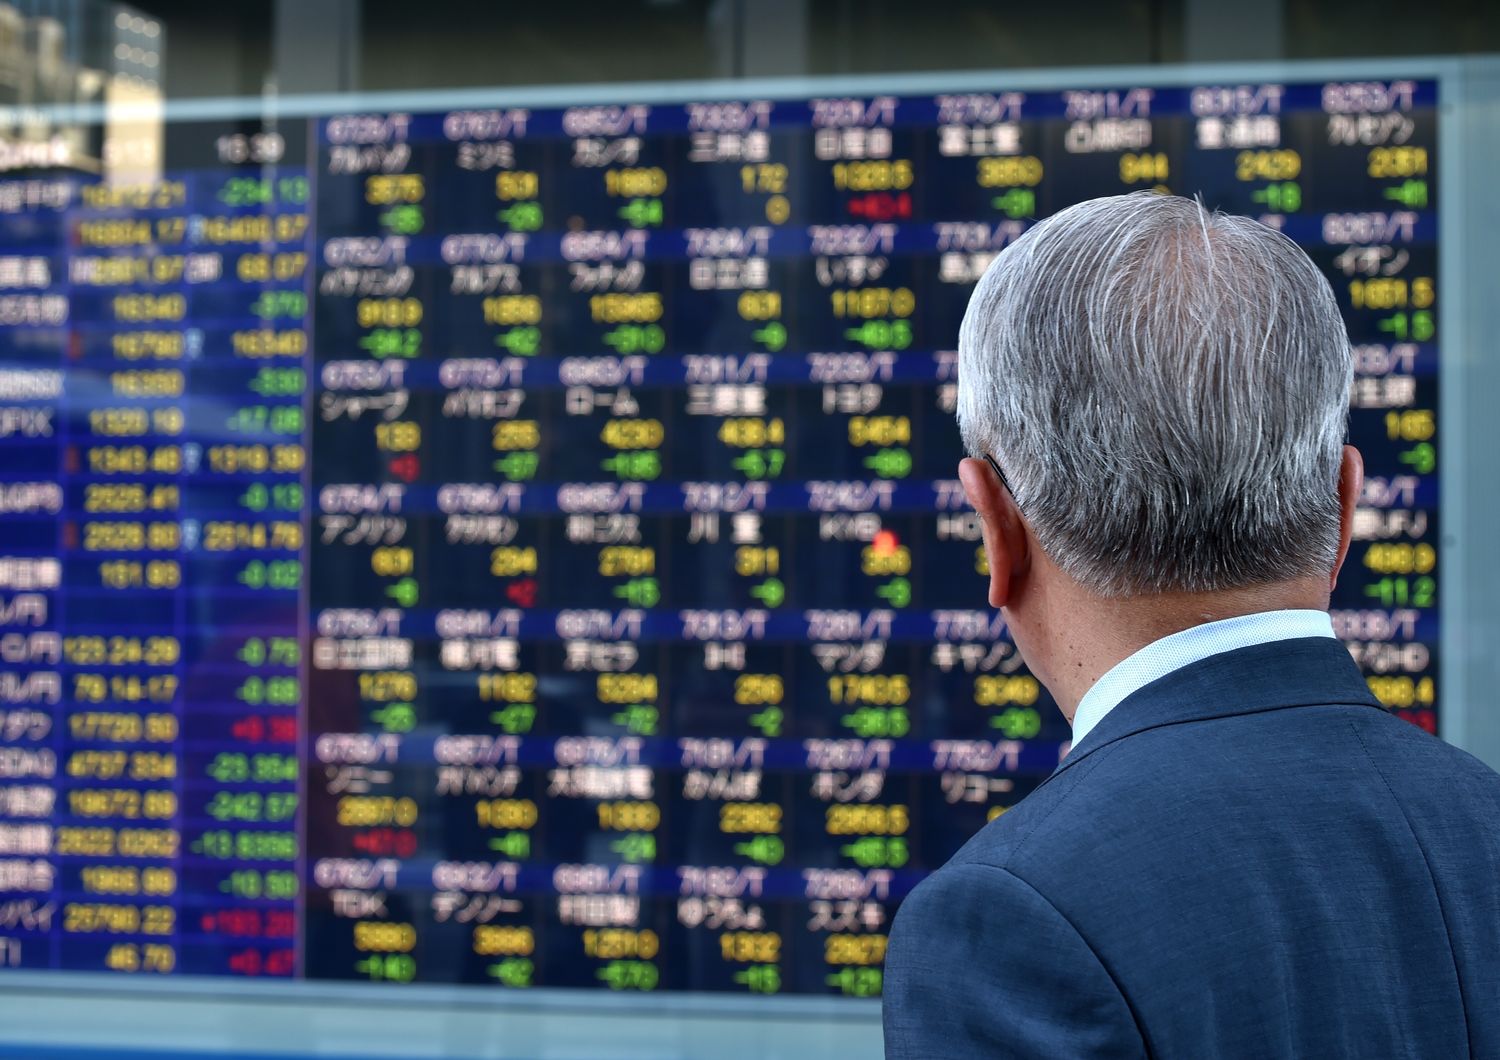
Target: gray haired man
1242,855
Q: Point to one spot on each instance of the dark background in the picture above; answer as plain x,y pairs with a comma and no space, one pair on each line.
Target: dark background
238,47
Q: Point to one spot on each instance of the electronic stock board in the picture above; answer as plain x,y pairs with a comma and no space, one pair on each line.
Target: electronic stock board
521,546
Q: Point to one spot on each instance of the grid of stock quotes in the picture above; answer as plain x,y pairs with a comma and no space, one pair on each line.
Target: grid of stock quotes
522,547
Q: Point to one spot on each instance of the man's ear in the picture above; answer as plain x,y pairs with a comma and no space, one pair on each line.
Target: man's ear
1005,543
1351,482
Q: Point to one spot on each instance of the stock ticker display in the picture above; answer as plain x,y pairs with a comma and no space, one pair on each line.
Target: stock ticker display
523,548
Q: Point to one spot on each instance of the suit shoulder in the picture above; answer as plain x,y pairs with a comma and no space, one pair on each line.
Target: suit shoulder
1416,764
1383,731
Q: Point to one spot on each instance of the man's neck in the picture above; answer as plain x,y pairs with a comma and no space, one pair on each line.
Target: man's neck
1083,636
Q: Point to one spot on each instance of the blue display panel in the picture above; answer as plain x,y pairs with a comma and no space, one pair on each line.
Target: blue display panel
521,547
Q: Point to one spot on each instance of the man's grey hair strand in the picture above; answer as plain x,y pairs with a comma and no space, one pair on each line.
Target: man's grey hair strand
1167,390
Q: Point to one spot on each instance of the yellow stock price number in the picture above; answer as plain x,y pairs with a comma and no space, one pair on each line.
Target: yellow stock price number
149,957
879,430
129,880
141,308
135,459
120,727
626,688
1410,425
119,422
148,345
616,561
391,189
1008,172
498,940
506,310
90,918
263,268
387,686
368,811
505,813
376,936
997,691
868,302
767,178
130,422
507,688
611,944
129,574
226,536
752,433
238,459
510,435
157,382
112,765
124,271
1401,558
629,816
1389,292
1397,162
517,184
132,537
393,562
268,343
84,842
1267,165
750,947
124,842
280,228
867,820
881,690
136,497
122,651
126,803
753,690
1403,691
508,561
877,563
122,232
400,437
633,434
94,688
644,307
388,312
874,175
854,949
752,561
644,182
1144,168
757,818
160,196
759,305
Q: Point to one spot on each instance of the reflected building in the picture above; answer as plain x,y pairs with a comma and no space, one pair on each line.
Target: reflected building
55,53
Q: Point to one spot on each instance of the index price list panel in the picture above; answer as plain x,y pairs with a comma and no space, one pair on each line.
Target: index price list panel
521,547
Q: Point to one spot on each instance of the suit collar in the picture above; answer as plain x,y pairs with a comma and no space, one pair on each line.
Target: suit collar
1308,671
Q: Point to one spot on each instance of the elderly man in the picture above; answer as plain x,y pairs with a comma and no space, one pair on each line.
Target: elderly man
1242,855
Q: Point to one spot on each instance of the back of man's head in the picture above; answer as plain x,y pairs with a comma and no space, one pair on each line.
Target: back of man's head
1166,389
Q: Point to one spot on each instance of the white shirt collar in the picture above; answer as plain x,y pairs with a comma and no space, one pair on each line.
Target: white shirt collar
1191,645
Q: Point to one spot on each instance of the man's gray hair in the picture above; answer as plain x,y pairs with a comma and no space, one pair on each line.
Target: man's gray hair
1167,390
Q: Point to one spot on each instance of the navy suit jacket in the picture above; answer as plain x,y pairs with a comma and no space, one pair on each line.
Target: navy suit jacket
1246,858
